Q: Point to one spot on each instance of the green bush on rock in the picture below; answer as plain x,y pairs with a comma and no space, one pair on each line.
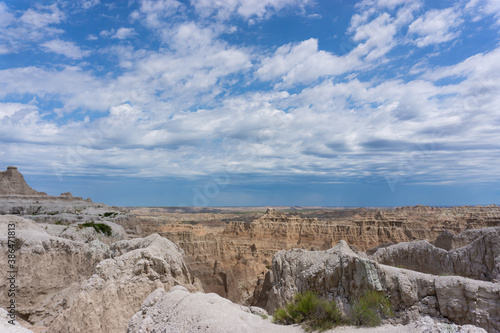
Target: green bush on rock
371,308
309,310
314,313
99,227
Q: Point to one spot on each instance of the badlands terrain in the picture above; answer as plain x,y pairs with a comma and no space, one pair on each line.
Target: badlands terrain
89,267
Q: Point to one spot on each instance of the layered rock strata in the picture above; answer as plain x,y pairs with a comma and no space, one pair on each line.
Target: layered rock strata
50,268
478,260
12,182
116,290
232,259
341,274
80,284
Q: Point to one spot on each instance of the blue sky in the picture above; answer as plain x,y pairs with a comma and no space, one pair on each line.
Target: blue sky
254,102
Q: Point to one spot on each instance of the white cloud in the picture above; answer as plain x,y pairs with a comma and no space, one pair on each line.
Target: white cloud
124,33
6,17
481,8
301,63
378,36
68,49
39,19
247,9
436,26
87,4
32,25
154,11
9,109
107,33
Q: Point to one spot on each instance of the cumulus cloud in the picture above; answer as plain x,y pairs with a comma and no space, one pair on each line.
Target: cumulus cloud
32,25
246,9
436,26
124,33
67,49
302,63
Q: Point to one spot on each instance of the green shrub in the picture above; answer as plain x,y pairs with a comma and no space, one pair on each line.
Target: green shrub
370,308
99,227
312,312
108,214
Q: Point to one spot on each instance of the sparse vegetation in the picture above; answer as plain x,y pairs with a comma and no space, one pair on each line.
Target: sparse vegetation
110,214
314,313
99,227
309,310
371,308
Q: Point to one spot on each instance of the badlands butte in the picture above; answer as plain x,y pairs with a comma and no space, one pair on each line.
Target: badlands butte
88,267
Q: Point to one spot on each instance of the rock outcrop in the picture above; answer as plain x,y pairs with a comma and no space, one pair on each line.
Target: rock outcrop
231,258
116,290
12,183
17,198
182,311
341,274
478,260
50,269
6,327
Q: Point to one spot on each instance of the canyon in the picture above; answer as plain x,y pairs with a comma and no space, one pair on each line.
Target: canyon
439,265
231,251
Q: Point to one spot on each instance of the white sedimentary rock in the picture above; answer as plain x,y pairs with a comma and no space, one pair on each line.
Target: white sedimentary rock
50,269
182,311
479,259
6,327
340,274
107,300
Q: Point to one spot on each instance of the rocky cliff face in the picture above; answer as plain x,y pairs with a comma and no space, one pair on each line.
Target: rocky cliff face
50,269
12,182
341,274
480,259
116,290
231,259
79,284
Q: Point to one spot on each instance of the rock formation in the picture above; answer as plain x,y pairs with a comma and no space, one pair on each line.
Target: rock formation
12,182
181,311
6,327
78,283
231,259
341,274
116,290
478,260
50,269
17,198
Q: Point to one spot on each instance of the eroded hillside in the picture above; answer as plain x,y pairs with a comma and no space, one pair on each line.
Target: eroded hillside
231,250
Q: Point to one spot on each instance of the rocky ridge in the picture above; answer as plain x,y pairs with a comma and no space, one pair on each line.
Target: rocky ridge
480,259
63,278
18,198
232,259
341,274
